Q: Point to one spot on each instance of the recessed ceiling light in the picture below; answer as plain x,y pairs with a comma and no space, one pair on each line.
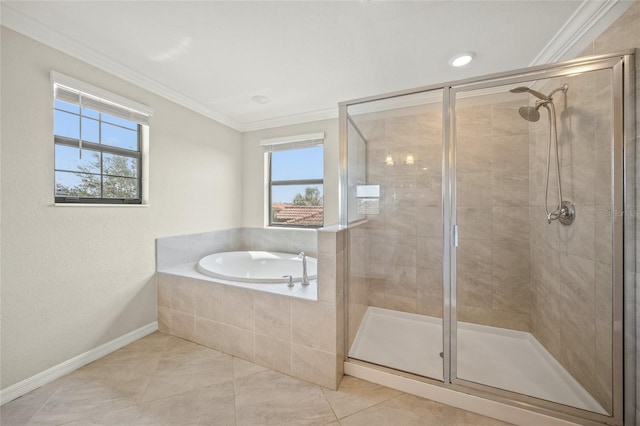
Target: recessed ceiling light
260,99
462,59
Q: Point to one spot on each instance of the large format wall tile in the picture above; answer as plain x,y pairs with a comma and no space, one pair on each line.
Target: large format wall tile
571,276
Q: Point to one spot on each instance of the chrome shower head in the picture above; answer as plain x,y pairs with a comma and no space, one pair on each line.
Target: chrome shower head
535,93
529,113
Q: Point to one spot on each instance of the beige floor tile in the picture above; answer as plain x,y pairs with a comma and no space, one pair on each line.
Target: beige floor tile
19,411
119,361
402,410
449,415
143,363
126,417
82,397
149,344
409,410
272,398
210,405
178,346
178,373
163,380
355,395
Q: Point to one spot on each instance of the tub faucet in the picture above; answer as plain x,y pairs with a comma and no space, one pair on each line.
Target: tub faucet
305,277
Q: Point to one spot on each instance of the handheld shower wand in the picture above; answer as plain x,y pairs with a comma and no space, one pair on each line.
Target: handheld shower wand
565,210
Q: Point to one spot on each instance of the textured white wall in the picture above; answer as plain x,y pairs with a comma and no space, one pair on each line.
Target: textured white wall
74,278
255,195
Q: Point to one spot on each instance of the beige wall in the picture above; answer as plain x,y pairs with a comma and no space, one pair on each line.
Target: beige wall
74,278
255,194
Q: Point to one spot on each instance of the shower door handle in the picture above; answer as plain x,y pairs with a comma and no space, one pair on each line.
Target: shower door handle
455,235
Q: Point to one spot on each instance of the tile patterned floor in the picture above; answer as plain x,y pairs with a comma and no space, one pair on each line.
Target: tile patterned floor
164,380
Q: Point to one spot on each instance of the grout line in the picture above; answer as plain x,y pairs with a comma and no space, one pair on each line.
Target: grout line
235,406
322,389
48,399
376,404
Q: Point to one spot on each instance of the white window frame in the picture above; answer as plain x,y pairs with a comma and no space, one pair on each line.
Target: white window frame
73,91
289,143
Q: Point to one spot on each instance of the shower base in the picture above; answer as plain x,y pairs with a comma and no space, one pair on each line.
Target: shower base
498,357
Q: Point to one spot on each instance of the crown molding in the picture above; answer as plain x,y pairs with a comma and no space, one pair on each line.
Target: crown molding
46,35
586,23
289,120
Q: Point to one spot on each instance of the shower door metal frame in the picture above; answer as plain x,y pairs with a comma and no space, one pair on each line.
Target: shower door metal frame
623,185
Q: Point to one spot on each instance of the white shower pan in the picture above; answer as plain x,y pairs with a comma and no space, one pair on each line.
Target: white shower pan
505,359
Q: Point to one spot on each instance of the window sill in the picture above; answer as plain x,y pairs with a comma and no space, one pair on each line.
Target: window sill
297,228
99,205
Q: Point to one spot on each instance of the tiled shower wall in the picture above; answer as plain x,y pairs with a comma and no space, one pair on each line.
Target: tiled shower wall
396,256
492,185
571,265
400,250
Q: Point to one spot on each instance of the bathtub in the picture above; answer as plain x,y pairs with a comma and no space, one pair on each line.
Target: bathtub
256,266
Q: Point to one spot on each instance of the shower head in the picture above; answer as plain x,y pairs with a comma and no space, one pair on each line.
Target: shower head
535,93
529,113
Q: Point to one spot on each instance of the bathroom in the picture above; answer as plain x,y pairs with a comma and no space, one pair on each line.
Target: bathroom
74,271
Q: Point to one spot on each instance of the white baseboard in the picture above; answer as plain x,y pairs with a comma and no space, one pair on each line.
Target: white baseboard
17,390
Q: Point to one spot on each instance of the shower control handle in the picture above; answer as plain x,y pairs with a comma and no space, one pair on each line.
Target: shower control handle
567,213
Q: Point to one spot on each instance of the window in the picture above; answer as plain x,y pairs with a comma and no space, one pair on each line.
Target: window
296,190
98,141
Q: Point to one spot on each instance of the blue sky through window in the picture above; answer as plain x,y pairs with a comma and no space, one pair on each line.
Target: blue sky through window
295,164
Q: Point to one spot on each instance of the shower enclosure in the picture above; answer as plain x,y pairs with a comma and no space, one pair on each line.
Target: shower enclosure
488,225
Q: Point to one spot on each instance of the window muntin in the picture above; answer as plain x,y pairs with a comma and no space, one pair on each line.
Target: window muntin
296,187
97,156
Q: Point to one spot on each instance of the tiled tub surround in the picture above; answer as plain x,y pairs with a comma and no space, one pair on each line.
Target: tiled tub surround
303,338
179,255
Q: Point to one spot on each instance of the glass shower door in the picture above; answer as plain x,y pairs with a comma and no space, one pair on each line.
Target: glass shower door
395,233
533,286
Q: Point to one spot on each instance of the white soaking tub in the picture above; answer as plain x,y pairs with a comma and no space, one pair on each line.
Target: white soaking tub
256,266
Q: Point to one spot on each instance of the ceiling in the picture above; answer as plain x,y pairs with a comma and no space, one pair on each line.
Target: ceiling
305,56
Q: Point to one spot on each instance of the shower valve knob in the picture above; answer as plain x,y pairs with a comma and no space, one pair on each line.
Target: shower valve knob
567,213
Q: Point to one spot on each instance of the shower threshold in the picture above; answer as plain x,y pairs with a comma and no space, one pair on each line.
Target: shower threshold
498,357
